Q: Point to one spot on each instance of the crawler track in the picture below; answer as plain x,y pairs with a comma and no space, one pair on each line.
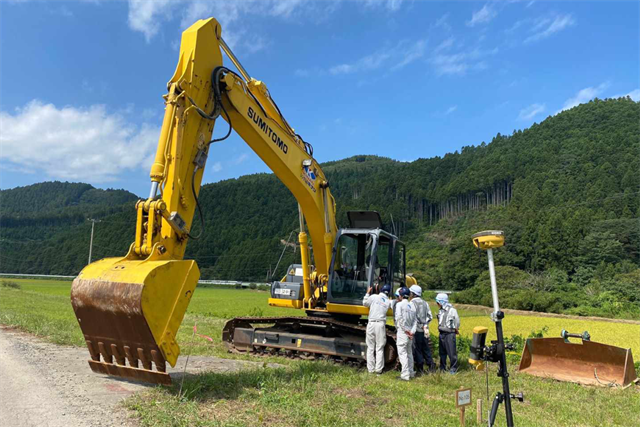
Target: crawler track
310,338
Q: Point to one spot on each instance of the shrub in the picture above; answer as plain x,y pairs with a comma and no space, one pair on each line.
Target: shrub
10,284
253,286
238,285
263,287
626,285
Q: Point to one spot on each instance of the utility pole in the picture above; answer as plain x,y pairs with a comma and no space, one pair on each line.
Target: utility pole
93,223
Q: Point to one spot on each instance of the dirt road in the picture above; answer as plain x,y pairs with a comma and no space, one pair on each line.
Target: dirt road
42,384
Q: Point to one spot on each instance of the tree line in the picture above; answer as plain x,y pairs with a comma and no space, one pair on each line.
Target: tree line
566,191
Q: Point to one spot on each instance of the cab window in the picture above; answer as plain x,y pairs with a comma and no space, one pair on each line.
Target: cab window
350,278
381,273
399,268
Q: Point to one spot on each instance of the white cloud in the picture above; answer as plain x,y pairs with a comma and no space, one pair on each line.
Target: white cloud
482,16
345,68
443,22
145,16
461,62
241,158
531,111
446,44
396,57
450,110
217,167
584,95
413,52
87,144
546,27
151,113
391,5
369,62
516,25
634,94
228,13
255,44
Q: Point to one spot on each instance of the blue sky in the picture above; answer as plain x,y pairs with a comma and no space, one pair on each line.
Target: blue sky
81,82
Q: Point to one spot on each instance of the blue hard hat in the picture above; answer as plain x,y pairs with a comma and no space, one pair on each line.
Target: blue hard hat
386,289
404,291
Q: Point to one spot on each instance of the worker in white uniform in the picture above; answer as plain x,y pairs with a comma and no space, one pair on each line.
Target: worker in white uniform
378,305
406,324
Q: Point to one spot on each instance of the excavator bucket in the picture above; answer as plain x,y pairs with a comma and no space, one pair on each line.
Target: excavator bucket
587,362
130,311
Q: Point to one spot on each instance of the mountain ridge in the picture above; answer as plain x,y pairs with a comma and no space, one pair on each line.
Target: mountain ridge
572,178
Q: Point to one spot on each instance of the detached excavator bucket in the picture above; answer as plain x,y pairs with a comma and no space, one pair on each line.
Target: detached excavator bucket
585,363
131,310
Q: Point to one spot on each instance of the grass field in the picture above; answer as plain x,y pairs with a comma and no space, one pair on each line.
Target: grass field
310,394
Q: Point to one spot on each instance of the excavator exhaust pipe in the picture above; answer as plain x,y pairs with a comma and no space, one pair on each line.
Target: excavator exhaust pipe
586,362
130,311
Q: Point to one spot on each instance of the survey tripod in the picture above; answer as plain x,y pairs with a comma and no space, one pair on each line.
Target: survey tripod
496,352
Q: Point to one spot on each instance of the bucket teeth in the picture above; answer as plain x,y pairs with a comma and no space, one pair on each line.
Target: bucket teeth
92,351
133,361
115,357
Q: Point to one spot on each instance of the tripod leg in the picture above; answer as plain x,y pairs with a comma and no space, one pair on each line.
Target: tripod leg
504,374
494,408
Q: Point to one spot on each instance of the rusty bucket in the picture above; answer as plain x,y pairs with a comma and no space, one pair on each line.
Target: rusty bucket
130,311
584,362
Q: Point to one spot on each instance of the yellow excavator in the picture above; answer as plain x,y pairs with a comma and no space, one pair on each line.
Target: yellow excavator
130,309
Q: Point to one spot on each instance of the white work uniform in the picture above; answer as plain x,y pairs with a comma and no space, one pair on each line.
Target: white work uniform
405,321
376,330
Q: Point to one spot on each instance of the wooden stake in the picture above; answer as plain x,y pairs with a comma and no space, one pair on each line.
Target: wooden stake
479,411
462,415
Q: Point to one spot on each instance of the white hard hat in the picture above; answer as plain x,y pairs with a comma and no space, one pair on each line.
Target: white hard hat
415,289
442,297
397,293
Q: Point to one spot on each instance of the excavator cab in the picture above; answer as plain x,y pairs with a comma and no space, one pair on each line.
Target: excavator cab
364,256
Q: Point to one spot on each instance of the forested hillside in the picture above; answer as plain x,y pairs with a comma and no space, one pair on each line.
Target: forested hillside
565,191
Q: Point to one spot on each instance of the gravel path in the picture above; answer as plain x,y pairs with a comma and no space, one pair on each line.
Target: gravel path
43,384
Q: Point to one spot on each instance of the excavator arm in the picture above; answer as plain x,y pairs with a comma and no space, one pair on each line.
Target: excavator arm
130,308
250,110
